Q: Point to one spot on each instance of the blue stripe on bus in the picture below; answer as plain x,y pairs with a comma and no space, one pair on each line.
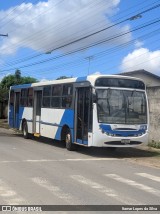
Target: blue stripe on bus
11,116
67,119
20,116
83,142
80,79
126,133
15,122
21,86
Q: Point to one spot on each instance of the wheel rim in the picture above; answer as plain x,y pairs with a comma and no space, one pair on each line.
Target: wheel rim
68,138
24,131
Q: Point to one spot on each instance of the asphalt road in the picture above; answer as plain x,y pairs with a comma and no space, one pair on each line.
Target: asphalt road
42,172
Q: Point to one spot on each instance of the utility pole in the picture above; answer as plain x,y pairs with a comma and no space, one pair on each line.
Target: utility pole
89,58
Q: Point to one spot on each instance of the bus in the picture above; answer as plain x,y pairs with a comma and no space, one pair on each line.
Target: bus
93,111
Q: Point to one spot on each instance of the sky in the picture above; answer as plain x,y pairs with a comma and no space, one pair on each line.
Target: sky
52,38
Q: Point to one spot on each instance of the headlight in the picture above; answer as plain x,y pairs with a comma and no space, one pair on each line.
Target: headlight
143,127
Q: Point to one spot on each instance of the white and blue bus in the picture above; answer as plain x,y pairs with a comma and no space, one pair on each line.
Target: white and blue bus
97,110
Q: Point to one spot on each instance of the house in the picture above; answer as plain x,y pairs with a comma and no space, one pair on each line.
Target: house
152,82
150,79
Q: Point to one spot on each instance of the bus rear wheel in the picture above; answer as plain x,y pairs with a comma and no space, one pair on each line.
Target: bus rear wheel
25,130
68,140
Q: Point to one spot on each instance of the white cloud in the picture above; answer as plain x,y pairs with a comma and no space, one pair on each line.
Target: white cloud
142,58
96,73
138,44
50,24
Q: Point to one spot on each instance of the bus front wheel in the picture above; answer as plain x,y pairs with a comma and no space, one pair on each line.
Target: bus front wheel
68,139
111,149
25,130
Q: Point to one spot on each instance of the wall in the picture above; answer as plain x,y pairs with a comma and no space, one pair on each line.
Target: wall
154,112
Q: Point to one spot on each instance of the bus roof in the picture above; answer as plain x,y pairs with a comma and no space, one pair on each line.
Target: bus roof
90,78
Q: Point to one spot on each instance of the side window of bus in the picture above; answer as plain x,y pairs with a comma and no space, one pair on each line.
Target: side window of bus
12,98
30,97
47,96
24,97
67,96
56,101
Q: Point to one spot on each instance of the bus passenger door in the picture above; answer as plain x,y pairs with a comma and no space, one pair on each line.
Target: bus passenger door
11,112
37,111
83,114
16,110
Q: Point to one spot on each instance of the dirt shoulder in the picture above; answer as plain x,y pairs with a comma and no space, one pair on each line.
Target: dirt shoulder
4,123
150,157
5,130
142,155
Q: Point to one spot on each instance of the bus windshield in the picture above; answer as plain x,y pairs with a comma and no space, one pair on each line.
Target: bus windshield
121,106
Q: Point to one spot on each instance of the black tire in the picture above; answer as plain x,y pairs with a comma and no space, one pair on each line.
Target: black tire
111,149
25,130
68,140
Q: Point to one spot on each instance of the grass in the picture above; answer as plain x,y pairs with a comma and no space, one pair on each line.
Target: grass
154,144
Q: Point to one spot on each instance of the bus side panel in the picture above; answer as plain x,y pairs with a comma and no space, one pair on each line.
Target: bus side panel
26,113
11,116
52,121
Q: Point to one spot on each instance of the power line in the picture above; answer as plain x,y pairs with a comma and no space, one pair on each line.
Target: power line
41,32
4,35
37,55
93,44
56,42
79,62
99,55
104,29
106,40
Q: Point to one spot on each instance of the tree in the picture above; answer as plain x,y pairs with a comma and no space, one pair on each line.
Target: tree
13,79
8,81
3,94
62,77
